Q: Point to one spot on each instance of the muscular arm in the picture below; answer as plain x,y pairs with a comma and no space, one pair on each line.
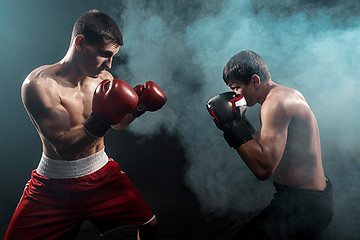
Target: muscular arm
53,122
263,154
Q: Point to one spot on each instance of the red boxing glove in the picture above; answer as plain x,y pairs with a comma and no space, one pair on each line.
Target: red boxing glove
112,101
151,98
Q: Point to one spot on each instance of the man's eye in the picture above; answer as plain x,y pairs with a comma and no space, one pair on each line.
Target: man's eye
105,54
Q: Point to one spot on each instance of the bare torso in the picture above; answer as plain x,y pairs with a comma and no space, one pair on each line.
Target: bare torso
301,163
57,106
287,145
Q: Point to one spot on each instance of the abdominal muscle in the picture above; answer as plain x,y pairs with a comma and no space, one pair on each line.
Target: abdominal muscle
51,153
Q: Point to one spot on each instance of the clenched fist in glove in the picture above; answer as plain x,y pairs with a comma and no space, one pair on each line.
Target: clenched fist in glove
228,112
112,101
151,98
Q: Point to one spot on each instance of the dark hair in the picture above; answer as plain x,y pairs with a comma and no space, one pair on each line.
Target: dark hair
97,26
243,65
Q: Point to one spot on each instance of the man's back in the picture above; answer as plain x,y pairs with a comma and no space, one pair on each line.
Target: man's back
301,163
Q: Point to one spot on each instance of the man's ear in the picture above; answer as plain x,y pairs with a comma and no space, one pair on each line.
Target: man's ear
255,79
79,42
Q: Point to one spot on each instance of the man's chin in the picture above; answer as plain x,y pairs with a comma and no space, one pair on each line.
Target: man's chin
95,75
250,104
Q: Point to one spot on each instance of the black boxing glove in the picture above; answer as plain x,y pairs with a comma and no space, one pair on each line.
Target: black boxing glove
228,112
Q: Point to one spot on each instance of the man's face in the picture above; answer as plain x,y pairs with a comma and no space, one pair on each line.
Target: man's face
247,90
97,57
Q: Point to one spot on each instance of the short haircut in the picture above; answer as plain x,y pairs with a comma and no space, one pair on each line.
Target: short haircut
243,65
97,26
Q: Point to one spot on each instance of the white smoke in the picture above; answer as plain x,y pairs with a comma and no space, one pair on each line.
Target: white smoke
307,46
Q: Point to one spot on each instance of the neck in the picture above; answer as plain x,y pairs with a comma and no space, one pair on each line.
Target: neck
69,69
265,90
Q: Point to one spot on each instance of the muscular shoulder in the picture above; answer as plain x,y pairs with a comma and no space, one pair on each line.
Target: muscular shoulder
40,87
285,102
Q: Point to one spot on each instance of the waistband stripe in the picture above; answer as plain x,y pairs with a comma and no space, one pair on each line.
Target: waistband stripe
71,169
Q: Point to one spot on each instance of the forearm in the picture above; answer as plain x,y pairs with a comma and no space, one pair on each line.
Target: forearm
127,120
256,159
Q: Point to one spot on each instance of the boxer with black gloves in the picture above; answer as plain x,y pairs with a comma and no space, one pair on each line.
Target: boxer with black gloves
73,104
286,146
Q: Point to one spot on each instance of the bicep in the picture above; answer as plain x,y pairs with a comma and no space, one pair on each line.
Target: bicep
272,136
43,105
53,123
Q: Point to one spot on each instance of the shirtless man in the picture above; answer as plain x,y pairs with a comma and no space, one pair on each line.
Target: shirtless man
73,104
287,146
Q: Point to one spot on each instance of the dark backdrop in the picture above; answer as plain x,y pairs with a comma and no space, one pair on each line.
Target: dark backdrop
195,184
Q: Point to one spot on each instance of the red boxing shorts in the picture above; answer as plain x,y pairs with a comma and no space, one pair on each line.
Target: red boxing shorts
55,208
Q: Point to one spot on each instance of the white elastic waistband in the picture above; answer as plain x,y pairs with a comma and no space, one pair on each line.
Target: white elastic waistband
71,169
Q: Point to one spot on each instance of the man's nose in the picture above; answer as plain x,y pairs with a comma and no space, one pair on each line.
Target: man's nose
108,63
238,92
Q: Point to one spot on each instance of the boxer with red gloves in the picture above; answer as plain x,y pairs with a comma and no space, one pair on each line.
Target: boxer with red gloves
73,104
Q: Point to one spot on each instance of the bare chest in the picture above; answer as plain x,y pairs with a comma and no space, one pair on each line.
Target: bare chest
77,102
